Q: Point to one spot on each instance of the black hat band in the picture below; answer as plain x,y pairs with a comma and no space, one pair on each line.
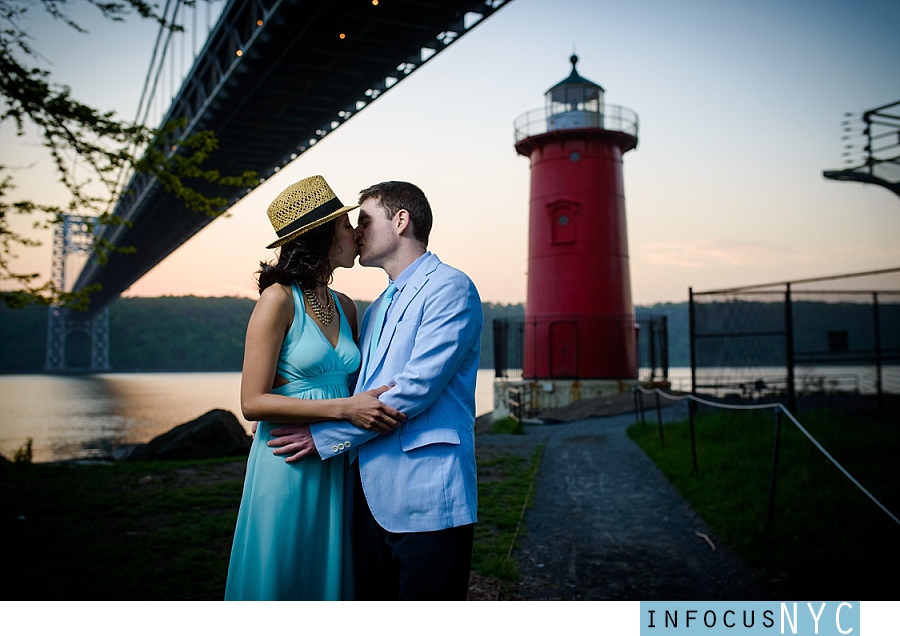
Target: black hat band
316,214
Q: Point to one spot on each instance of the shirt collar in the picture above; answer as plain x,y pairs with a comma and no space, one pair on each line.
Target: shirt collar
407,273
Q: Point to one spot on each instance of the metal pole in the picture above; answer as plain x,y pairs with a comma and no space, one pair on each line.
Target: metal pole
634,397
664,346
775,446
692,340
499,326
641,403
659,419
877,327
693,437
789,348
638,328
520,344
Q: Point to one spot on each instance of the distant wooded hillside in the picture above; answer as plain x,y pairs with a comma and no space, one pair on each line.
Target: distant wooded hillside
145,334
184,333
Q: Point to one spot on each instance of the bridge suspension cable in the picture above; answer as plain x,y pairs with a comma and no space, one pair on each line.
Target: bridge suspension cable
152,101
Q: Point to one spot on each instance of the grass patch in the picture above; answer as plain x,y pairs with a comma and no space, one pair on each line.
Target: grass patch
828,539
504,490
507,426
163,530
124,531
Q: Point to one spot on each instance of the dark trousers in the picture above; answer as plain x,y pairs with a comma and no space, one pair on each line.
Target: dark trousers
407,566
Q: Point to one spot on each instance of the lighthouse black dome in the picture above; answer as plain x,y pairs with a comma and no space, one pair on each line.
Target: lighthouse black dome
574,87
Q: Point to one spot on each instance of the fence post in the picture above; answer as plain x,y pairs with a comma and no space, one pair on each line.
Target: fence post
521,342
634,396
789,348
775,446
692,337
501,345
691,405
664,346
534,352
693,438
659,419
641,404
877,327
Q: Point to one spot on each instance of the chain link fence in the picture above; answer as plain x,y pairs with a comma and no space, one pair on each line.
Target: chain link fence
838,334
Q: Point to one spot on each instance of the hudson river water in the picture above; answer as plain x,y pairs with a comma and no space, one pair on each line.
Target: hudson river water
75,417
70,417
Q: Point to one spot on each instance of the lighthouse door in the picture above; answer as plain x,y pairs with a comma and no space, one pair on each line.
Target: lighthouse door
563,356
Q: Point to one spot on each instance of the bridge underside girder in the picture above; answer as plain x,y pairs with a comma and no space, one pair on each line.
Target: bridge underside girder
295,81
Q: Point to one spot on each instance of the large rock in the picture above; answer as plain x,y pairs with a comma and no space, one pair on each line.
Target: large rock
214,434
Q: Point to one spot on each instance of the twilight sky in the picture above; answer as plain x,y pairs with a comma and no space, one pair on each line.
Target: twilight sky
740,107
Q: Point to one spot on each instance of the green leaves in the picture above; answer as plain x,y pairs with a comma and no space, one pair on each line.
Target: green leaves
91,150
175,162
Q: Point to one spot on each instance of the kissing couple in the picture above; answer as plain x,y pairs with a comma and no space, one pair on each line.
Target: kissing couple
370,492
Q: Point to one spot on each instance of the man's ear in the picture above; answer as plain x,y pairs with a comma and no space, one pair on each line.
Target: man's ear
402,220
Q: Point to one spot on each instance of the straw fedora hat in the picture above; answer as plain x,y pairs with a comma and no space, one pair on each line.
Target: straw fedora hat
303,206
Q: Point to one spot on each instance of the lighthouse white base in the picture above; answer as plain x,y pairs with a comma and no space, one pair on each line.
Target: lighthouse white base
527,398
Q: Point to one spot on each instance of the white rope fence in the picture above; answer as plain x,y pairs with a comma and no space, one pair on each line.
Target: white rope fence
777,406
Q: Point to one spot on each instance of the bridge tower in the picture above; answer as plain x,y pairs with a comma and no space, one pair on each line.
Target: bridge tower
73,234
580,339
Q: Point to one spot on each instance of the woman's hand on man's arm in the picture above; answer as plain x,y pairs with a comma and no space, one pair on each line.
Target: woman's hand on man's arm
364,410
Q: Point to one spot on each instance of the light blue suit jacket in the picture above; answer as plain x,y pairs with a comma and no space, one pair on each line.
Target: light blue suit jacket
420,477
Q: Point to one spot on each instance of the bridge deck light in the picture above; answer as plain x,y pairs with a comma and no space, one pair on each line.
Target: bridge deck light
239,52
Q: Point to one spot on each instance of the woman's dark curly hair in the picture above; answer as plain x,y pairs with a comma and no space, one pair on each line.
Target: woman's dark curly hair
303,260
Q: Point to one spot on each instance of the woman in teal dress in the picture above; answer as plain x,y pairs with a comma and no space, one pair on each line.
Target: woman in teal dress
292,540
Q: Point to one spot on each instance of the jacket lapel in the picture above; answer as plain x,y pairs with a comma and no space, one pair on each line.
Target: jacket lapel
364,337
410,291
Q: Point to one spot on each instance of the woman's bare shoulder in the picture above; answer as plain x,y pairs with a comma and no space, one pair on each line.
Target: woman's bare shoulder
277,298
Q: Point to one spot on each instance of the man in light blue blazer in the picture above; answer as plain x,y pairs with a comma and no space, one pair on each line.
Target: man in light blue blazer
414,500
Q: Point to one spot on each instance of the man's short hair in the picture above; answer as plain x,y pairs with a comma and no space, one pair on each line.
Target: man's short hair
400,195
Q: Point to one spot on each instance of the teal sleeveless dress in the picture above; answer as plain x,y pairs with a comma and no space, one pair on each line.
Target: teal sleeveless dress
292,540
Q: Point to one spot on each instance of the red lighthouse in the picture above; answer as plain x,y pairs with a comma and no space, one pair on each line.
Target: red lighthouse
579,317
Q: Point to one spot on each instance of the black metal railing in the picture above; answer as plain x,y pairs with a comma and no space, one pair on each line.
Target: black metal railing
650,331
509,347
613,117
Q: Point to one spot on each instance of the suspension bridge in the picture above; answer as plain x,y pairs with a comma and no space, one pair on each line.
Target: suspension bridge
273,78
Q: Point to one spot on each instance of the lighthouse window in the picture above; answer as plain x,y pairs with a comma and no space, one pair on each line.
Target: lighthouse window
574,156
562,217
